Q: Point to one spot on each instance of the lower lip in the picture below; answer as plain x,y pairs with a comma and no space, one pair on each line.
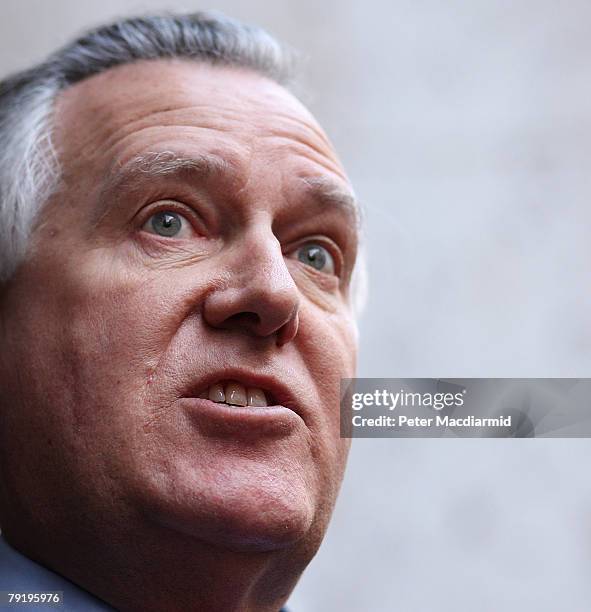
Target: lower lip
221,420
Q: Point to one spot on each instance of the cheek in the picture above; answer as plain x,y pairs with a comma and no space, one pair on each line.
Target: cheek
89,373
94,332
327,348
328,345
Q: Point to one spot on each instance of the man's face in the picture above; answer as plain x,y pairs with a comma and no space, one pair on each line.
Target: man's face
202,241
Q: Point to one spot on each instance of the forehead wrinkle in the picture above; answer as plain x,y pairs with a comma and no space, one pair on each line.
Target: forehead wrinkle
226,120
252,112
305,148
181,117
199,115
304,124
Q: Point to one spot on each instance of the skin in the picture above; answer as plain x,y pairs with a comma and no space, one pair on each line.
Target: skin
108,474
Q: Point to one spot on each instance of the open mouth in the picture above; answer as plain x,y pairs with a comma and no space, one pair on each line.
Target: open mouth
234,393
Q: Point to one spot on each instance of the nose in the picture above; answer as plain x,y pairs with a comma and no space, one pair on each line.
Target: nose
259,296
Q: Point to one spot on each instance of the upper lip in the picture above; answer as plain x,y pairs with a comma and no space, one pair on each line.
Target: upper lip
277,392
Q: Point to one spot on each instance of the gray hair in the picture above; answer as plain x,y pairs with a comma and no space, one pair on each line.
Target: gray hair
29,169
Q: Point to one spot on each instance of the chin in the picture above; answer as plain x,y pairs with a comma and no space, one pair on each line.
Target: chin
265,508
277,526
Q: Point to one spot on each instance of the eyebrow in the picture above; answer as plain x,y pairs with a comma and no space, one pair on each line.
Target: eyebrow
157,165
331,194
167,163
208,165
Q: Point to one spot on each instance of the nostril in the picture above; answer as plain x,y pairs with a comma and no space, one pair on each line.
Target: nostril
243,319
253,310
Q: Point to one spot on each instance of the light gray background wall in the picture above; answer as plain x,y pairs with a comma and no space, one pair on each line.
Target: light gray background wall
466,128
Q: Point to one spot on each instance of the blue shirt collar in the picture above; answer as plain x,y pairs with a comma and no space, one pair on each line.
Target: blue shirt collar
21,574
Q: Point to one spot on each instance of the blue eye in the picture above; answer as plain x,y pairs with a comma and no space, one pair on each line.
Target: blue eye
167,223
316,256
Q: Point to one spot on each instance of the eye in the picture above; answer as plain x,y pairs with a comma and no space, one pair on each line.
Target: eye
169,224
317,256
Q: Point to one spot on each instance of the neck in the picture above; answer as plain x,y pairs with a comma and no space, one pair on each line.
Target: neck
158,569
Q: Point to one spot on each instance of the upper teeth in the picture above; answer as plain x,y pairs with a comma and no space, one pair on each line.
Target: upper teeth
234,393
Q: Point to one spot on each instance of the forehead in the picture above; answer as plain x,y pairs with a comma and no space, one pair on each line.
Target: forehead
187,107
